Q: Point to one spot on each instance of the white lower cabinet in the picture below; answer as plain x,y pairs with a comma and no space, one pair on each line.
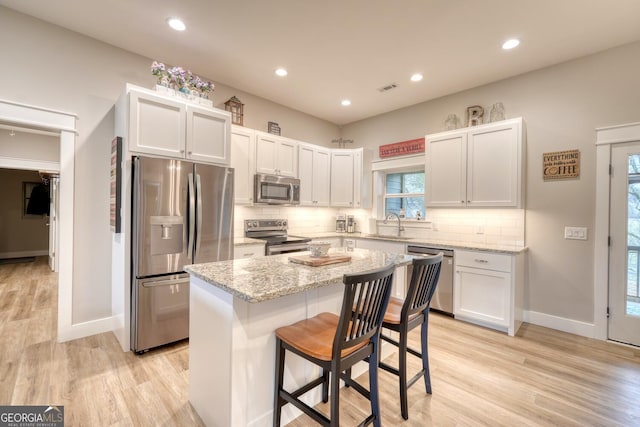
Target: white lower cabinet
488,289
248,251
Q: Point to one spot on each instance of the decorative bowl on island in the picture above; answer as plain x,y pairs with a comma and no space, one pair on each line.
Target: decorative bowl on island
319,249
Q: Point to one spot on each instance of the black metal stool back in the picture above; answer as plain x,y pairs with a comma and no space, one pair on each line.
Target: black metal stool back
336,343
403,316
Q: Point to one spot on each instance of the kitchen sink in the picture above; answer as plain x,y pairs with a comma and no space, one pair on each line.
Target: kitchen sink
387,236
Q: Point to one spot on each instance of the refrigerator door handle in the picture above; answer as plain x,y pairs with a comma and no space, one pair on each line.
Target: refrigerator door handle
164,282
192,218
199,214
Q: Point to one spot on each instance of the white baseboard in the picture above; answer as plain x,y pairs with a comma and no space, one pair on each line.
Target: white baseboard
563,324
23,254
86,329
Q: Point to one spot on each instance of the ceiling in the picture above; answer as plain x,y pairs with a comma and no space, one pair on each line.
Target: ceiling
337,49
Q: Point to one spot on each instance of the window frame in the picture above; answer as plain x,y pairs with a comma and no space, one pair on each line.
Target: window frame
385,195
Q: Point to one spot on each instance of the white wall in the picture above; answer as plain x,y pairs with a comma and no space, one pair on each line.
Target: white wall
55,68
562,105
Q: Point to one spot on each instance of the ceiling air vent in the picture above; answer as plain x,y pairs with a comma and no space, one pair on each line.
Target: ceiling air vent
387,87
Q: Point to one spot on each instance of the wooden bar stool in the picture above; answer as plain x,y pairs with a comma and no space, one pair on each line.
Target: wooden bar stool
402,316
336,343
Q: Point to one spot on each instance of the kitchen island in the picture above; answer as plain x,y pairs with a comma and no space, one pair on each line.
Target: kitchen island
235,306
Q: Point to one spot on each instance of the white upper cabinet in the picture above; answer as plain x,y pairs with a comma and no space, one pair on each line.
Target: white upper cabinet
476,167
276,155
351,178
168,127
208,133
243,146
314,165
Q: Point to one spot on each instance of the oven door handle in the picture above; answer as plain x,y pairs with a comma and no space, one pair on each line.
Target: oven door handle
288,248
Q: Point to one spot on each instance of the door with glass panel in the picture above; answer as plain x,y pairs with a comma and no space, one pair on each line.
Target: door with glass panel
624,252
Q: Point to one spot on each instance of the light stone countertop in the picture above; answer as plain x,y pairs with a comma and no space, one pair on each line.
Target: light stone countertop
264,278
421,241
245,241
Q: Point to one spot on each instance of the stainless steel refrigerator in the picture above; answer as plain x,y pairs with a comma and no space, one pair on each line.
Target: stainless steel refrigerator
182,214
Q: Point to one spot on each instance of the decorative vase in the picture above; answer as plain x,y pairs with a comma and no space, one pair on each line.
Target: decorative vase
451,123
497,112
164,81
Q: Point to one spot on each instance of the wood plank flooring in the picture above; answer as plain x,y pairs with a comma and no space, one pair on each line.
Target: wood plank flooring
480,377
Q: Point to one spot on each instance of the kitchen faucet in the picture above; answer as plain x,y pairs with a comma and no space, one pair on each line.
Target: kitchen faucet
389,216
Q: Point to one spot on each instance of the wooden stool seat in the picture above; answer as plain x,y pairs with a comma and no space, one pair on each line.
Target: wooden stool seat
394,311
315,336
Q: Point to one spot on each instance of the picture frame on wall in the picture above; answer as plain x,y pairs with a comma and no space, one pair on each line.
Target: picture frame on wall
115,197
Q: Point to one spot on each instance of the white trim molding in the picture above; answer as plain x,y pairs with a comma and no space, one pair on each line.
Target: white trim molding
605,138
563,324
29,164
63,124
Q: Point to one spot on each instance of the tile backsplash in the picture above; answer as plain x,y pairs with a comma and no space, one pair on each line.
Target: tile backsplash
487,226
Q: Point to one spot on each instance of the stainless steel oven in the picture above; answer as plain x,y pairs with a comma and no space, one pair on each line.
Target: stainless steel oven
442,300
276,190
274,233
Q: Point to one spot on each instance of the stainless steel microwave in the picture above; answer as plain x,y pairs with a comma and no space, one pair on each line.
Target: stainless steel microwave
276,190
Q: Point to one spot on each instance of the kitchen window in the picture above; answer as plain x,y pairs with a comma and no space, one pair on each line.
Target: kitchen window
404,191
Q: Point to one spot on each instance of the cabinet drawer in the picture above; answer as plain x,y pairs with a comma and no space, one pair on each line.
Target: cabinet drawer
248,251
485,260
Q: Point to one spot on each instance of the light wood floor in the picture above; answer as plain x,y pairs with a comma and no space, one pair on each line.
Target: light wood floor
480,377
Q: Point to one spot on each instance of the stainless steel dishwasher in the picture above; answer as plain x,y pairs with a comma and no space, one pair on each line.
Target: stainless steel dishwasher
442,300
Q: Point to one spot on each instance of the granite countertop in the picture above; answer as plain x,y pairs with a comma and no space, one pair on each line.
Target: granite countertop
444,244
244,241
264,278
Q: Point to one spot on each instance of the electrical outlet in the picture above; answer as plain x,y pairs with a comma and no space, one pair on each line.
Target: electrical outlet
575,233
480,229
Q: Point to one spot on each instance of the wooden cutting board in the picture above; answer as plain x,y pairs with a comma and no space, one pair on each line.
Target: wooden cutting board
317,262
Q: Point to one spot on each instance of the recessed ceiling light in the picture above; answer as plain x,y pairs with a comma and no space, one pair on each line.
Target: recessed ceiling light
345,103
176,24
416,77
281,72
510,44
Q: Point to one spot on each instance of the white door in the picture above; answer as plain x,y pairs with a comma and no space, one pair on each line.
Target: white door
266,154
624,251
321,176
53,222
307,171
287,158
342,179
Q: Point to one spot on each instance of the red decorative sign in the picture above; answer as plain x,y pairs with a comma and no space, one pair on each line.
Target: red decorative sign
403,148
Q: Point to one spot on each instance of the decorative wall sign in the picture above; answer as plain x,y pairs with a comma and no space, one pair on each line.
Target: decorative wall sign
115,196
561,165
273,128
403,148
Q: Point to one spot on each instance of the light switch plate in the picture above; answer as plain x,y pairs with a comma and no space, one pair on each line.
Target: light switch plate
575,233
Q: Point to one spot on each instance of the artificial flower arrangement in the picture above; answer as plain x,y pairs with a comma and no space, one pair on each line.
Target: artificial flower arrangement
180,79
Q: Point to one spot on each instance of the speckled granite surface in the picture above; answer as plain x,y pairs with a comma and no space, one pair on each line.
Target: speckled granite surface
244,241
444,244
265,278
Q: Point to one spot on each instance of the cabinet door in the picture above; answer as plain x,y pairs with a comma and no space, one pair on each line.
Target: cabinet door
493,166
483,296
266,152
248,251
157,125
342,179
242,160
306,167
287,158
208,135
321,177
357,179
445,170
